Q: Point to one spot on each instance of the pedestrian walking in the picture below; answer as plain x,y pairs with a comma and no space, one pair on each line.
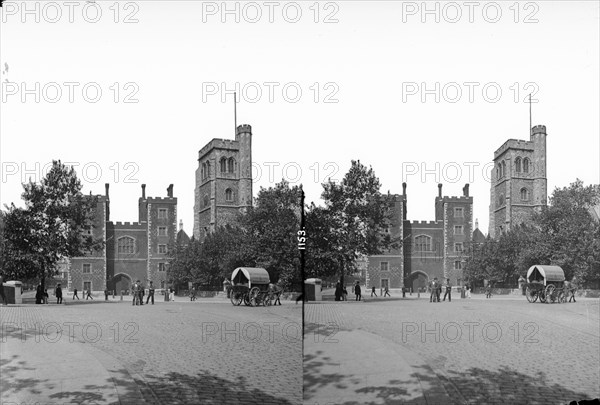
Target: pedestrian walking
344,293
89,294
58,294
172,295
468,291
46,296
448,291
387,292
434,287
573,289
193,294
105,294
488,291
134,293
141,293
2,295
373,291
357,291
150,293
75,294
338,292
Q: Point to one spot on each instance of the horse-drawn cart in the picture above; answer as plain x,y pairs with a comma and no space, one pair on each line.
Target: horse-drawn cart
545,283
250,285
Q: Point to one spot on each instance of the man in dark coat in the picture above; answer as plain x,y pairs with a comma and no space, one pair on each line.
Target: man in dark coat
448,290
2,295
150,293
338,291
433,287
357,291
58,293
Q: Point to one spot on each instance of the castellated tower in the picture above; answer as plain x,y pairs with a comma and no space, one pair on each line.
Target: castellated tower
519,182
223,181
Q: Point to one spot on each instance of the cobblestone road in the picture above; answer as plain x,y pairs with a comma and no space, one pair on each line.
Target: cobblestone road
179,352
481,351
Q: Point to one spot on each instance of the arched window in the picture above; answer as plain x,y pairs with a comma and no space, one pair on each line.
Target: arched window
223,165
525,165
499,171
501,200
228,195
423,243
126,245
203,171
518,165
524,194
207,169
503,169
205,200
230,165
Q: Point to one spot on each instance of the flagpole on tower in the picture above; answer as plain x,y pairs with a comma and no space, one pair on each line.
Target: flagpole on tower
530,124
235,113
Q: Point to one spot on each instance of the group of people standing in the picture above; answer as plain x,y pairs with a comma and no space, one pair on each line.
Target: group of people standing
436,290
138,292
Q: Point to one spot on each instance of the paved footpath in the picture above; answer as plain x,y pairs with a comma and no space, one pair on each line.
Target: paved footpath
171,353
496,351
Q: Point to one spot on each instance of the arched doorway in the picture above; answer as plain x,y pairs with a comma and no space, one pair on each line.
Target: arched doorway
418,280
121,282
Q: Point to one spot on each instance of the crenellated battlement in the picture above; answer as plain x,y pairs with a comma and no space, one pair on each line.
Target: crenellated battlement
425,222
170,200
461,198
514,144
120,224
218,143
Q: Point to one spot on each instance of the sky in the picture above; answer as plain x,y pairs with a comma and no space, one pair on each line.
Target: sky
423,92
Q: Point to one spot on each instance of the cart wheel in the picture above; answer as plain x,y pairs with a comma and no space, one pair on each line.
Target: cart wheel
247,300
254,296
531,295
550,297
267,300
237,298
561,297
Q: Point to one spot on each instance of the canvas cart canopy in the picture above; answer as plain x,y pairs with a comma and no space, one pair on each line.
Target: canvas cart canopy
250,275
545,274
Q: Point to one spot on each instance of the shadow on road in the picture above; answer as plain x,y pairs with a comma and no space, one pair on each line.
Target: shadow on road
474,385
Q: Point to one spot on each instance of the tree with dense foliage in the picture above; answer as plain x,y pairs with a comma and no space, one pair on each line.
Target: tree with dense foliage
271,227
264,236
566,234
52,226
357,216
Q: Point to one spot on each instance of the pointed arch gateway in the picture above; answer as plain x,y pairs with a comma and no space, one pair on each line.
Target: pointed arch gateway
418,279
121,282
